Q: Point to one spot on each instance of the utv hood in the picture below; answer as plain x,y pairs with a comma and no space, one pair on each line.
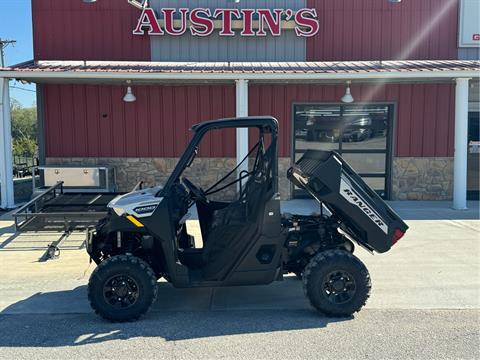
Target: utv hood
141,203
366,217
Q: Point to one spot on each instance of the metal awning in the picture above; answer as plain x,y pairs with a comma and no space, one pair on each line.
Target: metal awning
40,71
381,72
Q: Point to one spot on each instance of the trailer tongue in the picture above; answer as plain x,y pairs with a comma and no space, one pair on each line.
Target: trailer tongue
364,215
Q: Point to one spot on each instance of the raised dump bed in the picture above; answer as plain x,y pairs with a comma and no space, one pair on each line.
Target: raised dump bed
332,181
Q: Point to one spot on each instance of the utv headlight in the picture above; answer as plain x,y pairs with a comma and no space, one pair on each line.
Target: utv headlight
119,211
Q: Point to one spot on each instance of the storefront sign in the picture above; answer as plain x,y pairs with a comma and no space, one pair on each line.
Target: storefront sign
227,22
469,34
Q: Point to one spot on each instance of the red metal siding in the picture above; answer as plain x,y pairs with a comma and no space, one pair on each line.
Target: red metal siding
350,30
93,121
380,30
74,30
424,112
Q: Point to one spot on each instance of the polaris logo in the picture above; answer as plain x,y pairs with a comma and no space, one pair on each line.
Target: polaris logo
145,209
347,192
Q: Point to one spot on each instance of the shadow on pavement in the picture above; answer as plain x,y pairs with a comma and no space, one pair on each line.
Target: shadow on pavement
5,242
182,322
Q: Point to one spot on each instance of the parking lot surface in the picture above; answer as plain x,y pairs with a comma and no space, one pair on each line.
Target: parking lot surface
425,303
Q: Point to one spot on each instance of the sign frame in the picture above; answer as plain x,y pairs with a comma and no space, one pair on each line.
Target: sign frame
464,21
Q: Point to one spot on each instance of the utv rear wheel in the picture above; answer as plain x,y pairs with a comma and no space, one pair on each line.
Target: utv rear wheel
122,288
336,283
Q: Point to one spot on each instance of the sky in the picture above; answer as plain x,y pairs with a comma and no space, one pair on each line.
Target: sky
16,24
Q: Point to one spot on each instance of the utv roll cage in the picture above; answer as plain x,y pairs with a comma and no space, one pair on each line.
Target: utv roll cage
265,125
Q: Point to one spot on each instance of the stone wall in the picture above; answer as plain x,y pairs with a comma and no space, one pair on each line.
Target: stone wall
153,171
422,178
412,178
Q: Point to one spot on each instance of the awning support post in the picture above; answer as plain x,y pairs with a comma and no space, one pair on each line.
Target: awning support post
242,133
6,166
461,145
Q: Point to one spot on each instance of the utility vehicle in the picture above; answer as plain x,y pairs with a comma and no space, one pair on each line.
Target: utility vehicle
246,241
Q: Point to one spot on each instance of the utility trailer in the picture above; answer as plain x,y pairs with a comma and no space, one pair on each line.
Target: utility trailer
72,199
246,241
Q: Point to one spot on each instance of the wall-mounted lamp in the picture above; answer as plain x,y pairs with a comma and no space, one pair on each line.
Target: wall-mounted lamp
129,97
348,98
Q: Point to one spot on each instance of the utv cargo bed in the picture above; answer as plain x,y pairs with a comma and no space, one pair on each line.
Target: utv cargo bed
331,180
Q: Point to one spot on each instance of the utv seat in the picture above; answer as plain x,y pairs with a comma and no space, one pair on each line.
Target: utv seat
233,227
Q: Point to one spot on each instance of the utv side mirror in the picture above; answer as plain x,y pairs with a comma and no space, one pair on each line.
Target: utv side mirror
194,155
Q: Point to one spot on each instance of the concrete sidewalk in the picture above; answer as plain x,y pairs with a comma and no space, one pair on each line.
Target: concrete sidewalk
435,266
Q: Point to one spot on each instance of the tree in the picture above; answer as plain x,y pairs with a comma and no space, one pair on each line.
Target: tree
24,129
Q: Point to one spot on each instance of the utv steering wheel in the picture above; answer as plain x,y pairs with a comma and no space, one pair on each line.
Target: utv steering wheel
196,192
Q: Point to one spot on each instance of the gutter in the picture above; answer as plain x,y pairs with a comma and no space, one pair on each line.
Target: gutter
76,75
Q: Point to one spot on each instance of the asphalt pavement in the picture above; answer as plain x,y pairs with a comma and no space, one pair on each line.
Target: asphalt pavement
425,304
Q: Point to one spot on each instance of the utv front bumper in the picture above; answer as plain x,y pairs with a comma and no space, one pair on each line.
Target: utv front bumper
91,232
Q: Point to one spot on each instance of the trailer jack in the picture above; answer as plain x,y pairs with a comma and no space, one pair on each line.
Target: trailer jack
53,249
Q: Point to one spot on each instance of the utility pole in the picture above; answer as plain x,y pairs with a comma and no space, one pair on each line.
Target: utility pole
3,45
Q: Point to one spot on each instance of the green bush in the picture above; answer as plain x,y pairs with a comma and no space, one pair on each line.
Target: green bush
24,129
24,147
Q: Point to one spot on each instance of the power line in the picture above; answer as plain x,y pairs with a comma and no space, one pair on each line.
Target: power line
20,88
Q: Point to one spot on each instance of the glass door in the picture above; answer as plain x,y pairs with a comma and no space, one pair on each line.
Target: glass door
473,157
360,133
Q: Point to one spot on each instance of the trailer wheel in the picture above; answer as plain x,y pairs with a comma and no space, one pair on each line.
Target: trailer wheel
122,288
336,283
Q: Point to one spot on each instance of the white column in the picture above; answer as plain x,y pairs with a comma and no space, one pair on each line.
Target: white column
6,167
461,145
242,133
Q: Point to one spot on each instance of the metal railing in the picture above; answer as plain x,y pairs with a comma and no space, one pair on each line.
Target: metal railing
32,209
24,166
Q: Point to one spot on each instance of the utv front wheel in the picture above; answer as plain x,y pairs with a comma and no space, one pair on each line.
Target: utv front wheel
336,283
122,288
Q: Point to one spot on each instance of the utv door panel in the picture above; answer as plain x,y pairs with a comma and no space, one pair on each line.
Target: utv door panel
261,262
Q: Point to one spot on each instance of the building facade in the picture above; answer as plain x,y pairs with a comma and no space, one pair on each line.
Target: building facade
398,133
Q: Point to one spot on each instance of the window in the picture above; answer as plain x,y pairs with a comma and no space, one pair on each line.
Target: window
360,133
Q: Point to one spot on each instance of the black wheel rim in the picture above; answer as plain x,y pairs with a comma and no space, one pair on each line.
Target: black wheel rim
339,287
121,291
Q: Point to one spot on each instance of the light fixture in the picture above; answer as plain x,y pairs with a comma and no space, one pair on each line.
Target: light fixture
129,97
89,1
348,98
395,1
